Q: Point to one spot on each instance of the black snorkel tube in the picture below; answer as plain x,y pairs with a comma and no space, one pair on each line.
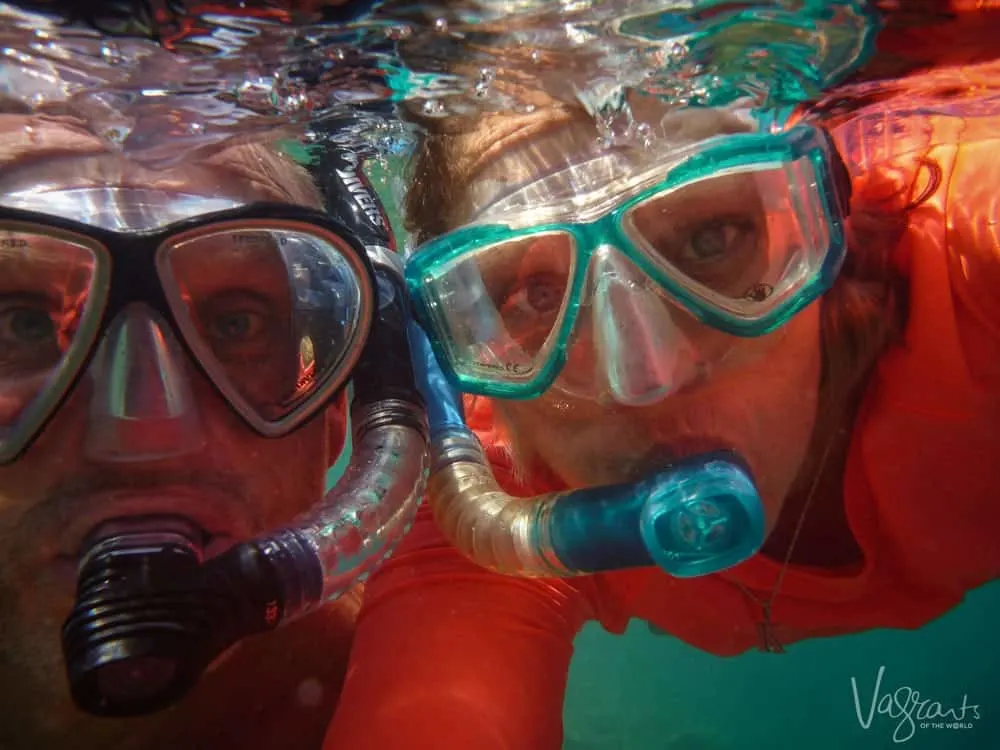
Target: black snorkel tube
150,617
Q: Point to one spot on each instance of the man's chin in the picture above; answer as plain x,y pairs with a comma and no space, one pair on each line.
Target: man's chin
36,707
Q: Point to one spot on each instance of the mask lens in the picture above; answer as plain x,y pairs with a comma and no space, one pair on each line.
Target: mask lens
744,241
47,319
276,315
499,308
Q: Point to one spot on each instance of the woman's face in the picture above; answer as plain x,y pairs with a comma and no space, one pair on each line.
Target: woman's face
757,396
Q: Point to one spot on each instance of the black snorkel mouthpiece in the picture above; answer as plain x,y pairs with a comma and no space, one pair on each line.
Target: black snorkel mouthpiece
150,617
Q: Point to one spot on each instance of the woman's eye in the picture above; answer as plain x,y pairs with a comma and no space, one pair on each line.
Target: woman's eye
717,241
531,307
537,294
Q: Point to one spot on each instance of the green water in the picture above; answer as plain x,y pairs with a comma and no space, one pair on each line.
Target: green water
646,692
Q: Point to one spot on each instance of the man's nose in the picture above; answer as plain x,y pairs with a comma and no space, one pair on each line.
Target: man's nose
142,407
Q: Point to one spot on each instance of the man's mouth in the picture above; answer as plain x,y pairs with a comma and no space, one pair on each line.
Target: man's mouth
211,521
206,543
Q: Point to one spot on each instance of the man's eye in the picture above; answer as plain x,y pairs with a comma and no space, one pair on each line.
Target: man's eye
26,325
236,326
29,336
236,318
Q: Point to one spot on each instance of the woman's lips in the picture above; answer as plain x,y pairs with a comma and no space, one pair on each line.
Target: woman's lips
664,454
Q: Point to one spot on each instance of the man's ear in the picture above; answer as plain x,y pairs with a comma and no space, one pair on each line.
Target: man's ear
336,427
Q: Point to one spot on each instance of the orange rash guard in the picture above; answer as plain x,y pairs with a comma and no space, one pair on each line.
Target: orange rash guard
452,657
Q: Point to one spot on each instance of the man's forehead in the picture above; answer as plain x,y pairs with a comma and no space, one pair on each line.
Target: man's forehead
51,172
107,189
532,154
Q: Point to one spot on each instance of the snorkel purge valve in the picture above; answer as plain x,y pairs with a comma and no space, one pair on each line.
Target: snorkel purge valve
693,518
150,616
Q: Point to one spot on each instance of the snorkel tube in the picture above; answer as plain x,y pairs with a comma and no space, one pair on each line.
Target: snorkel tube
693,518
150,617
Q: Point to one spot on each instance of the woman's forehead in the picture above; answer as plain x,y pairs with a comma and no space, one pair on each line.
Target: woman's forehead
525,154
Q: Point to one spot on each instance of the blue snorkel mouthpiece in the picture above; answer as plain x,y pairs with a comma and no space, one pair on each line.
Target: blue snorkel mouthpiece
692,518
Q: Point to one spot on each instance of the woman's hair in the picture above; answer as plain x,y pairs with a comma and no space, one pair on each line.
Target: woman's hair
861,315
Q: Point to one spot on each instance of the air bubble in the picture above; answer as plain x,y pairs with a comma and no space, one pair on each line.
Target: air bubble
256,94
440,25
433,108
116,134
398,32
111,54
294,98
486,78
614,119
644,134
310,692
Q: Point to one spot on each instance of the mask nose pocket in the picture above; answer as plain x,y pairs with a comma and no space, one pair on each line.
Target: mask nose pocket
141,406
642,352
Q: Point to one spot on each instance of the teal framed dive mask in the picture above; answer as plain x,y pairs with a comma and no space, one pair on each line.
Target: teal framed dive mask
634,277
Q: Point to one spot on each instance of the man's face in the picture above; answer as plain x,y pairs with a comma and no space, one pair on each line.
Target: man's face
232,483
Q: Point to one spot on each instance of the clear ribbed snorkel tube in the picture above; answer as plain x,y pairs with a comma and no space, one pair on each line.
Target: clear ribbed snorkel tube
149,617
695,517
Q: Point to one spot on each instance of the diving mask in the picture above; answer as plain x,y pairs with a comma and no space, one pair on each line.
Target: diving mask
272,303
630,275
